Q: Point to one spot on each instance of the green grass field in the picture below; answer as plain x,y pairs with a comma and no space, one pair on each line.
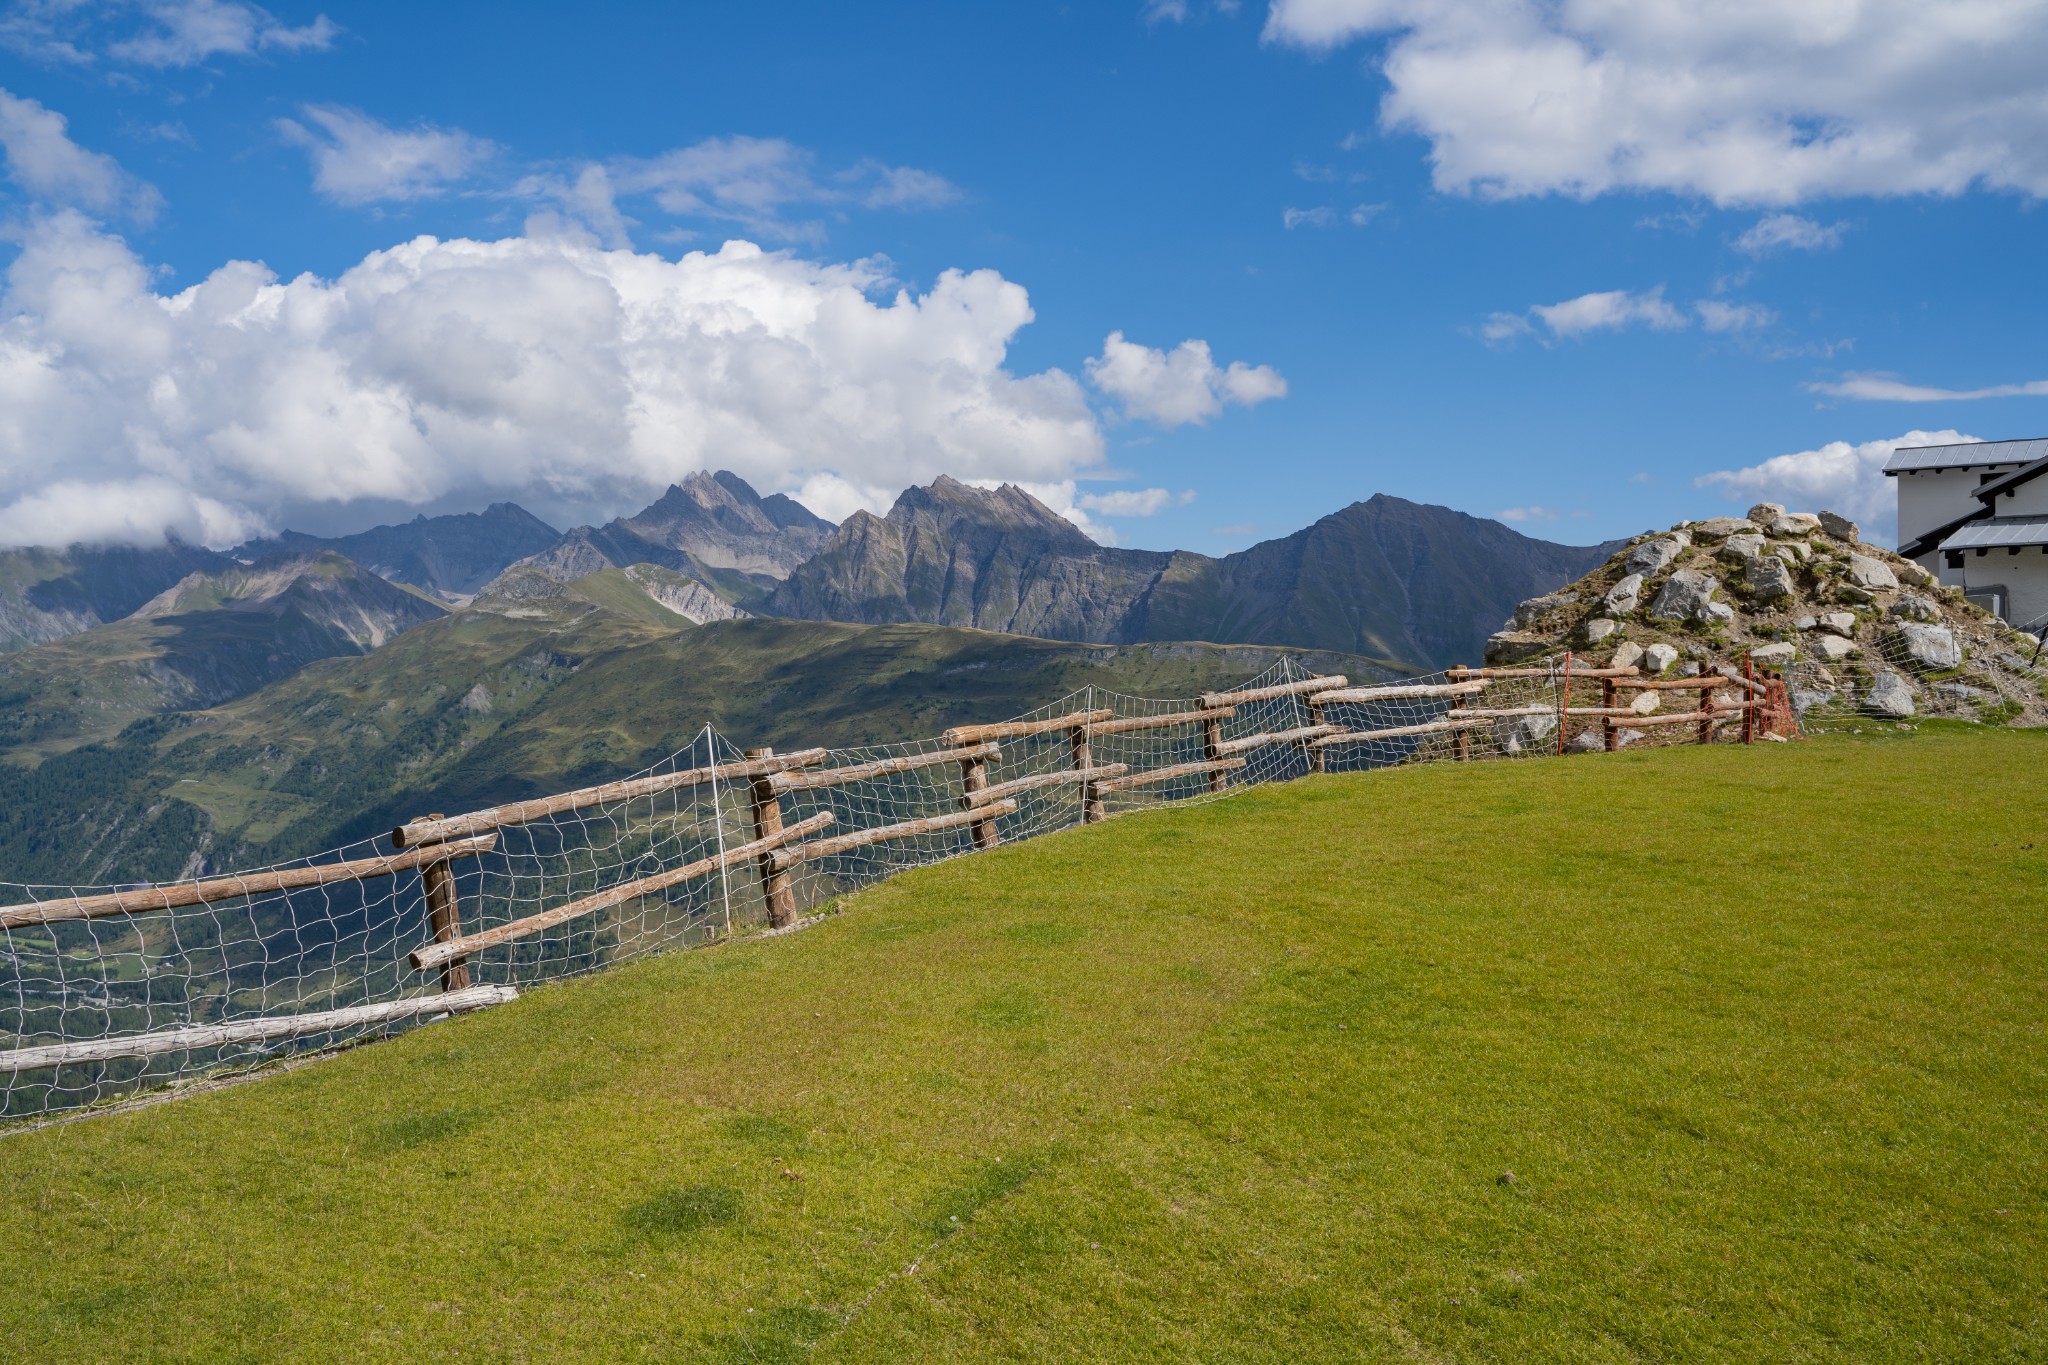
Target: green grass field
1758,1033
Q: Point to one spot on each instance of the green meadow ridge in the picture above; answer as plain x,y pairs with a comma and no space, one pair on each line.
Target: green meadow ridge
1292,1076
519,697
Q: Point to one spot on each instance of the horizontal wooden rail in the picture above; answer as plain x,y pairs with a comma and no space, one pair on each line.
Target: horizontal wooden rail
434,954
1432,728
1252,694
1373,694
1461,672
1017,729
1719,709
1250,742
1729,675
1703,683
860,772
785,858
181,894
189,1036
519,812
1535,709
1210,765
1170,719
1025,784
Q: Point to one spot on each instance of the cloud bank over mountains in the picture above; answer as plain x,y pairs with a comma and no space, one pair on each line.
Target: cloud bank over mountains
1744,102
549,368
1838,476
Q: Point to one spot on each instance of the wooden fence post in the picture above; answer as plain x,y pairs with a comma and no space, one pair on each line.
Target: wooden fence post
1706,717
1461,740
974,778
1749,713
1609,698
1212,749
1316,757
775,885
1091,797
445,916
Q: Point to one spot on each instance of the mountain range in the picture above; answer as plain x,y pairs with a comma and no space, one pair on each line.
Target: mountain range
1414,585
107,637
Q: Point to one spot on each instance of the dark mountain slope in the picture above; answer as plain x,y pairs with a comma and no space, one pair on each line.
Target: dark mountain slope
451,556
208,639
47,594
537,689
1385,577
1414,585
961,556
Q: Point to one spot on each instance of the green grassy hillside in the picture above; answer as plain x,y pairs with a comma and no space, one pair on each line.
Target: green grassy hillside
483,706
1693,1054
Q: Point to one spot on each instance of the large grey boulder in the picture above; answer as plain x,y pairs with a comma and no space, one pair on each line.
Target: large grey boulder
1831,648
1909,572
1840,622
1652,556
1627,655
1646,704
1872,575
1889,696
1911,608
1745,546
1721,526
1805,699
1839,526
1795,524
1517,734
1659,657
1768,578
1536,608
1623,596
1684,593
1928,647
1764,513
1511,647
1793,551
1773,655
1598,629
1716,613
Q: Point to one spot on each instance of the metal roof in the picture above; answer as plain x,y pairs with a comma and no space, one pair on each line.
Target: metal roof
1965,454
1992,532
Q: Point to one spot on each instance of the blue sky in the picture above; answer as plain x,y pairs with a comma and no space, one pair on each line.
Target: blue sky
1556,263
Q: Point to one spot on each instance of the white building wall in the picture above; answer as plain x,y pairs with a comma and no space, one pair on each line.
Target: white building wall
1932,497
2030,499
2024,577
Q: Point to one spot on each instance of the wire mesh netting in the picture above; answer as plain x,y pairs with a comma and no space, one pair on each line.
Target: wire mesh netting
105,991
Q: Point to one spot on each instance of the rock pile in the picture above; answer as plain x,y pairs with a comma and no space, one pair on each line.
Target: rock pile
1852,627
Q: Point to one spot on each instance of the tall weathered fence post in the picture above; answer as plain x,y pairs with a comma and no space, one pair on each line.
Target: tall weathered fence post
1749,712
1316,757
1212,749
445,916
776,889
1461,741
1610,699
974,778
1706,717
1091,797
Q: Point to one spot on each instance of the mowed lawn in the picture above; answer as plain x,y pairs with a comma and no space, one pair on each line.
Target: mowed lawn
1700,1054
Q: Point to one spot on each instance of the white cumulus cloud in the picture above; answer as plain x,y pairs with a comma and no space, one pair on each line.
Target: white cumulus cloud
1528,514
1766,102
1609,311
1837,477
1178,387
43,160
1718,315
549,370
1889,388
357,160
160,33
1789,232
